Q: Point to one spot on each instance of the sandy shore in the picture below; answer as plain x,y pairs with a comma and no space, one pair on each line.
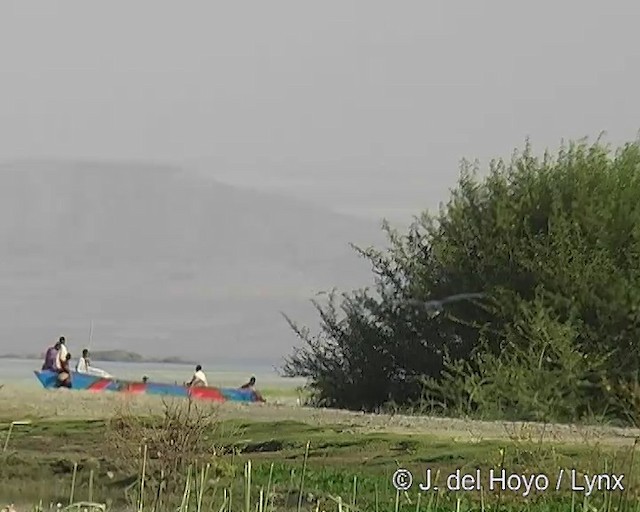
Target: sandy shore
18,403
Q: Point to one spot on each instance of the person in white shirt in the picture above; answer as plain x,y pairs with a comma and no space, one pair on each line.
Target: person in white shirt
62,353
83,362
199,379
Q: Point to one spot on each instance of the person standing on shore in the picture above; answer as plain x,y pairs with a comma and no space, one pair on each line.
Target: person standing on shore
51,358
62,353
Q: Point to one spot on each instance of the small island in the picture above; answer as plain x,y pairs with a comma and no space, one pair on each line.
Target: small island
112,356
125,356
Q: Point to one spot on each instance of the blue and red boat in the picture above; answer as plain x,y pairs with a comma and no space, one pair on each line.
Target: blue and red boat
87,382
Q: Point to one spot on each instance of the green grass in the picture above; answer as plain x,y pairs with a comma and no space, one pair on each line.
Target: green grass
278,393
41,458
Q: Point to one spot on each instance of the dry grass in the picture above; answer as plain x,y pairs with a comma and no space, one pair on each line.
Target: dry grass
33,403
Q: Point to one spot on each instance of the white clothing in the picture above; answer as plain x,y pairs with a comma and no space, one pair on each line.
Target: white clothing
200,376
82,366
62,356
97,372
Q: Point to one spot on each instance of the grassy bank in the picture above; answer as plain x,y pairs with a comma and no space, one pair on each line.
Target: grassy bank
296,464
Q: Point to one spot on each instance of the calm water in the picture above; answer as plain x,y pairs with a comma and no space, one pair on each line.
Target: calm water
21,371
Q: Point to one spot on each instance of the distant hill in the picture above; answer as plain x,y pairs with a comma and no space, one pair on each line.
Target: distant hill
164,260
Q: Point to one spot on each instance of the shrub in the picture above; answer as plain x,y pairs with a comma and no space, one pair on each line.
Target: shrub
186,433
554,242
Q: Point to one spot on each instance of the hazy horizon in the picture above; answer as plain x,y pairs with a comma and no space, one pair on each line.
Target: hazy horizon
348,112
163,260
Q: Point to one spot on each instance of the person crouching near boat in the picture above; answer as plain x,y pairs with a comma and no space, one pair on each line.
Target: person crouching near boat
251,386
199,379
64,375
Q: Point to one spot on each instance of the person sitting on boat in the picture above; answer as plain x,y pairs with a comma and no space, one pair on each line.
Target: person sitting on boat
62,353
251,386
83,362
199,379
64,375
51,358
84,366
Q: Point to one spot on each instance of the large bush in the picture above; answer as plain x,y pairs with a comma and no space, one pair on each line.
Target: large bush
553,241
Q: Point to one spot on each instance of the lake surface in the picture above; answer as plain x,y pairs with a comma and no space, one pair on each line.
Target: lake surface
21,371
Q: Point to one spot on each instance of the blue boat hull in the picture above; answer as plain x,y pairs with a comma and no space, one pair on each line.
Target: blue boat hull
82,381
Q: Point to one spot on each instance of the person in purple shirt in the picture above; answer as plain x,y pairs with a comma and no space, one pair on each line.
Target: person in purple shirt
51,357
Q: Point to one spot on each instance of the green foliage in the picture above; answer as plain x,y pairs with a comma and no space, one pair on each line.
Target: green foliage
553,241
539,375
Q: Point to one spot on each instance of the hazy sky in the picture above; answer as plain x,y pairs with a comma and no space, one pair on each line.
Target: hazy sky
366,105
